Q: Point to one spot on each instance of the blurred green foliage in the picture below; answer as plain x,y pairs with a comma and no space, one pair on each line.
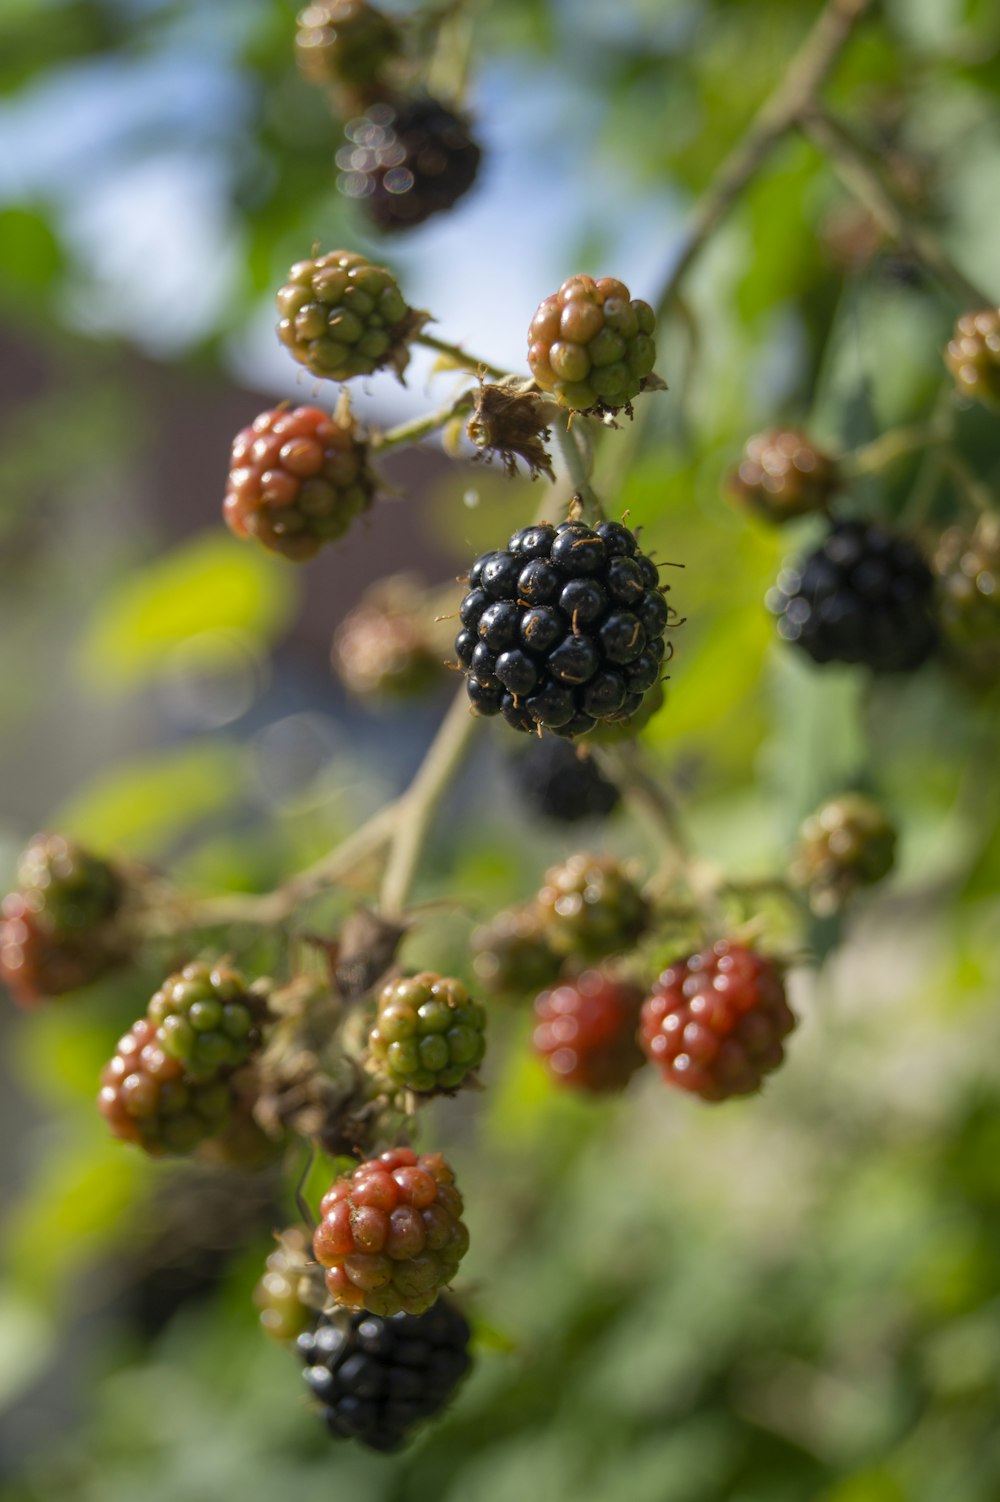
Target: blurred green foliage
788,1299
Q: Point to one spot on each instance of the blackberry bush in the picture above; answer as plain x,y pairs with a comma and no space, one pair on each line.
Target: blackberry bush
377,1378
428,1034
563,629
591,345
297,479
714,1023
391,1235
864,596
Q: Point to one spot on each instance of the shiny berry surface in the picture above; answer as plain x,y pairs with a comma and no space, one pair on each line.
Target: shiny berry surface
429,1034
342,316
591,344
585,1032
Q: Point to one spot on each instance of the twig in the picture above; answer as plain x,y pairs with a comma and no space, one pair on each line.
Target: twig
883,451
858,171
459,356
800,87
577,467
417,807
419,427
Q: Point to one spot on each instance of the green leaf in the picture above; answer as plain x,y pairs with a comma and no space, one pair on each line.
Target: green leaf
202,594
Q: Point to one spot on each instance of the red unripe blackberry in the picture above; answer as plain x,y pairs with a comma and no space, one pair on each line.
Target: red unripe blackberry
147,1097
847,843
378,1378
511,954
428,1034
35,964
590,907
206,1018
591,344
714,1022
391,1234
864,596
973,355
407,161
297,478
341,316
563,628
783,475
346,44
586,1032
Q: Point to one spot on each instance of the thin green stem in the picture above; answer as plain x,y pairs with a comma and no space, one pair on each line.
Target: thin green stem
460,357
858,171
418,805
872,458
577,467
420,427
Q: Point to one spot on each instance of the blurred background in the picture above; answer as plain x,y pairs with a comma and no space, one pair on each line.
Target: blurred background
792,1298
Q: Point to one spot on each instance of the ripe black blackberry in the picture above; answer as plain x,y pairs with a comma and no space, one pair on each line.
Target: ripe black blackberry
377,1378
407,161
563,628
557,783
864,596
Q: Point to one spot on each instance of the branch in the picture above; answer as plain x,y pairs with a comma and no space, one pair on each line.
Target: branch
419,427
798,90
857,170
458,356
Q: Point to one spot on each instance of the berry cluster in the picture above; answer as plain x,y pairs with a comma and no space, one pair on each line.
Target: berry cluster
428,1034
342,317
591,344
585,1032
406,161
206,1019
714,1022
563,629
60,929
864,596
847,843
378,1378
297,479
391,1234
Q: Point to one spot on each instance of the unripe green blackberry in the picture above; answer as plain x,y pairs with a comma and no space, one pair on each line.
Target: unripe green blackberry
297,478
783,475
591,344
512,956
590,907
66,887
973,356
345,44
383,648
967,566
283,1293
341,316
147,1096
428,1034
206,1019
391,1235
847,843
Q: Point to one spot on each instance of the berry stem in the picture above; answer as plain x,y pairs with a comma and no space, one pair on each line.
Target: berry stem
969,483
459,356
415,811
885,450
857,169
419,427
805,76
578,468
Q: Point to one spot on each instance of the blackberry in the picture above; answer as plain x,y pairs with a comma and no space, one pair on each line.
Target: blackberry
714,1022
967,566
297,478
36,964
846,844
342,317
407,161
973,355
559,784
345,44
428,1033
391,1235
563,628
383,647
147,1097
283,1293
585,1032
511,955
590,907
377,1378
67,888
864,596
206,1018
783,475
591,345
